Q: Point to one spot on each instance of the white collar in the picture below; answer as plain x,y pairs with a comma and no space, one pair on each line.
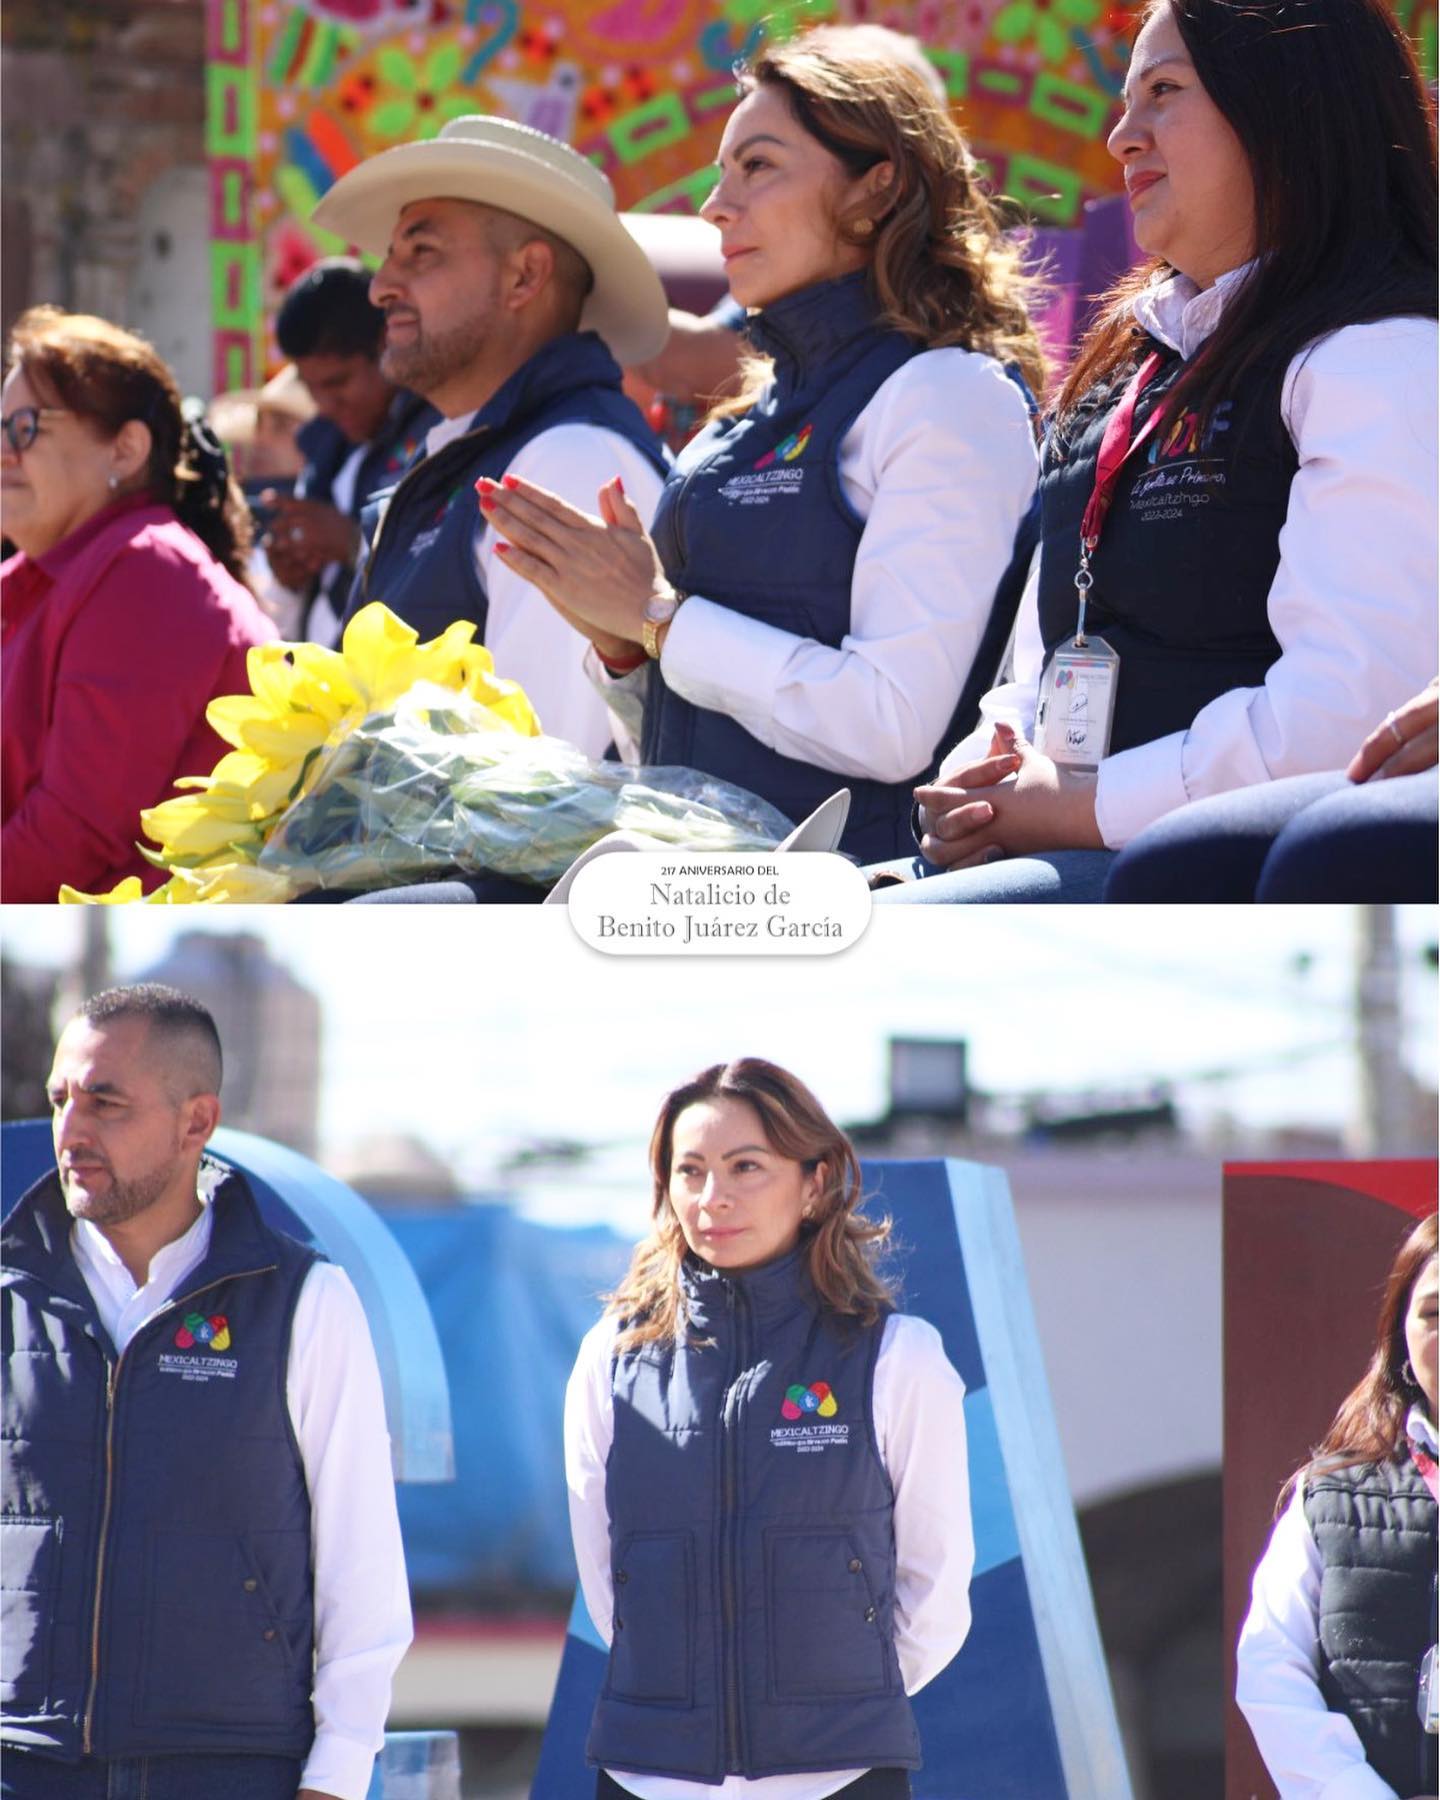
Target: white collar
446,432
1418,1425
93,1249
1181,314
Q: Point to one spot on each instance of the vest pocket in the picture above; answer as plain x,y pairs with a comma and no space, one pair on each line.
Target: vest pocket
829,1632
29,1584
652,1649
215,1647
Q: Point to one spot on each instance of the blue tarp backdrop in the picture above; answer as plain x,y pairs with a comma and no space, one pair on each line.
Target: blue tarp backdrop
511,1301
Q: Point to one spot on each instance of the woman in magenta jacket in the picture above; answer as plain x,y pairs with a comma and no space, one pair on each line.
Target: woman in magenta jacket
125,611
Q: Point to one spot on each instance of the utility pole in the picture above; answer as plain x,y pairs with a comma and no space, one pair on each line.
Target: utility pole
1386,1106
94,951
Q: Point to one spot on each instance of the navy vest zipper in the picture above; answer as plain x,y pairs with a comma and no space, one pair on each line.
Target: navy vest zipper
738,1307
112,1378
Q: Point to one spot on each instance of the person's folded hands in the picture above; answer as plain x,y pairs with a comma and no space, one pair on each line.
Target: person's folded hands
1014,801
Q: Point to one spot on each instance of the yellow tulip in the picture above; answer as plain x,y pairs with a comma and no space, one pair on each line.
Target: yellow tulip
241,883
373,641
266,787
124,893
249,724
120,895
323,682
196,826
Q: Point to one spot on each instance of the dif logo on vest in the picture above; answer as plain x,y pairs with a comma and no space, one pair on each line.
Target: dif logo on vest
771,475
790,449
816,1405
201,1338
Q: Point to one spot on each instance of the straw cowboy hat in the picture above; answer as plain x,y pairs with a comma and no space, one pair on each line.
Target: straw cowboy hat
504,164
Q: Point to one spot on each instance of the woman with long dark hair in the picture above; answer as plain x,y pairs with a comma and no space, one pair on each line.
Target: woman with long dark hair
1238,539
126,609
753,1404
815,606
1336,1660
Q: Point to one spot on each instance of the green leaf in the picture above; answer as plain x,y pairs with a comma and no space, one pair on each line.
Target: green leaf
442,68
1014,23
392,118
398,69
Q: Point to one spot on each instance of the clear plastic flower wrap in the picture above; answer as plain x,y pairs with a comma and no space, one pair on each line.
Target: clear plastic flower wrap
436,782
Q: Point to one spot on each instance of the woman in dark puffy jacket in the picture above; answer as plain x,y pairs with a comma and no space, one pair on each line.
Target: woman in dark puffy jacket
752,1403
1336,1658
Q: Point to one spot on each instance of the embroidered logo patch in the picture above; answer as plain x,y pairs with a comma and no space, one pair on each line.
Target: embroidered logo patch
788,450
212,1333
816,1398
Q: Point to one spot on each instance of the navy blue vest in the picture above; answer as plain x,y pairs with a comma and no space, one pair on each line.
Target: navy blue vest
755,516
422,533
387,456
752,1544
156,1562
1375,1528
1189,550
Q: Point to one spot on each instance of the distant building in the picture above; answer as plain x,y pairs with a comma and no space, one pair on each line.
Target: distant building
397,1169
106,207
269,1025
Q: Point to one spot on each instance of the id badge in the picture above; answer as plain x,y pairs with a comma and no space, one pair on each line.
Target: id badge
1077,704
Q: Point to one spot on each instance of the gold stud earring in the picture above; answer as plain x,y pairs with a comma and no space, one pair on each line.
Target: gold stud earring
864,227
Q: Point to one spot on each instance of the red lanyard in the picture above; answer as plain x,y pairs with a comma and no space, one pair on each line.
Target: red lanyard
1116,447
1425,1463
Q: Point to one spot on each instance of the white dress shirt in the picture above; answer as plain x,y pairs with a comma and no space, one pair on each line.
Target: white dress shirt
362,1602
529,640
1352,604
919,1405
940,465
1311,1752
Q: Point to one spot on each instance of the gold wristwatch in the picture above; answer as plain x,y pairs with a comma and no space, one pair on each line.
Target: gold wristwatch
657,614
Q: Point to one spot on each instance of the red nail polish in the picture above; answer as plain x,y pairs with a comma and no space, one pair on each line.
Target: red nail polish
487,505
502,549
483,485
511,481
619,485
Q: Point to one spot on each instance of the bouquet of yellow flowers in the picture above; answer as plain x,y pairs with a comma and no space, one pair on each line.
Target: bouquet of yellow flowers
389,760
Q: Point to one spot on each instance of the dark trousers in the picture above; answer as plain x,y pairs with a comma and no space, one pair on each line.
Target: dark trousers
1307,837
875,1784
26,1776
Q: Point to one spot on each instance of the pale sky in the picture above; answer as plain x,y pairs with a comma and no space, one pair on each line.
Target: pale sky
476,1028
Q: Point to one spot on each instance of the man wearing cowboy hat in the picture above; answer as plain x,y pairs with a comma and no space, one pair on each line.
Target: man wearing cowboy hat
509,288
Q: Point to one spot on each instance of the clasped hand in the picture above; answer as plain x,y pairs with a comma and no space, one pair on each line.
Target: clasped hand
1404,744
598,573
1013,801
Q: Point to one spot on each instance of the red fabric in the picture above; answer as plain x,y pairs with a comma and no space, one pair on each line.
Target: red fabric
1406,1183
113,644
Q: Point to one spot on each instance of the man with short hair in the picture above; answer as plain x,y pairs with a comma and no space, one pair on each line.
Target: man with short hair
366,434
204,1590
509,287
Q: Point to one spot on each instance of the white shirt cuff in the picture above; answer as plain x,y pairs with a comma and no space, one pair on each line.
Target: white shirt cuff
1358,1782
718,658
339,1766
1135,787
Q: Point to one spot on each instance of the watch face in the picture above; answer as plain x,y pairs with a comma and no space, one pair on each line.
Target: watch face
658,611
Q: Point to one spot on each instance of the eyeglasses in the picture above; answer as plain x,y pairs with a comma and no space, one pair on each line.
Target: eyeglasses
22,427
